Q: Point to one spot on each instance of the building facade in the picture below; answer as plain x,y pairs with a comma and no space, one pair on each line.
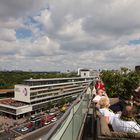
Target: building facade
35,94
88,73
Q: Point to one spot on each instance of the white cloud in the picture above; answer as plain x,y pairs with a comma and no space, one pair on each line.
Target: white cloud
7,34
18,8
11,23
43,46
70,34
72,28
40,47
45,18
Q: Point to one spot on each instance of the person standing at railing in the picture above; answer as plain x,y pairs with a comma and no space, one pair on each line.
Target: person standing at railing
99,94
99,85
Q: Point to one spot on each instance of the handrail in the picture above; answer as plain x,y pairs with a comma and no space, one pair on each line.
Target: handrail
62,119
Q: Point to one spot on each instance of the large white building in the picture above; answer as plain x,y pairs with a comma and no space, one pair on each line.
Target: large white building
33,96
88,72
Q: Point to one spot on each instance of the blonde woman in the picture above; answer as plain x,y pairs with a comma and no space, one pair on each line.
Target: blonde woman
105,111
98,96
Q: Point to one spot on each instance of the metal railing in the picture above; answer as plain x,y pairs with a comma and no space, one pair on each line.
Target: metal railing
69,126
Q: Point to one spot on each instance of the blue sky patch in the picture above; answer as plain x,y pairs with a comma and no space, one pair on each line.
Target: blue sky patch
30,21
22,33
134,42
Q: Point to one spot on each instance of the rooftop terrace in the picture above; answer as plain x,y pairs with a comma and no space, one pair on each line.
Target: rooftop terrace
12,102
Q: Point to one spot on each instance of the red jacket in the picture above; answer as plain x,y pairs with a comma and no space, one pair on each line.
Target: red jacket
99,85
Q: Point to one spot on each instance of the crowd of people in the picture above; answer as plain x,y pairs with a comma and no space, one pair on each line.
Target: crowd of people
121,115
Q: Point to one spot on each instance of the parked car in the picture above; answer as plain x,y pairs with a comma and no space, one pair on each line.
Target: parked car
24,129
18,129
52,113
46,123
54,119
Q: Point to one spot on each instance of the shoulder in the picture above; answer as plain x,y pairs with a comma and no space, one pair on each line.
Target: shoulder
104,111
96,98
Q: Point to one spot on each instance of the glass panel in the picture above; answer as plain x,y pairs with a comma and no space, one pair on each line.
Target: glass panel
71,127
77,121
68,133
63,129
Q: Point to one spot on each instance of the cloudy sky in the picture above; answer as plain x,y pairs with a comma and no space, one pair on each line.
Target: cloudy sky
52,35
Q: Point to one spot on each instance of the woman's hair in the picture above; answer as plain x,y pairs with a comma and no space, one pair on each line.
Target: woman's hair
129,111
104,102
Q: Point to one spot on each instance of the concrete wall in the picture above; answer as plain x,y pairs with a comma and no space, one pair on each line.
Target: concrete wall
22,93
23,110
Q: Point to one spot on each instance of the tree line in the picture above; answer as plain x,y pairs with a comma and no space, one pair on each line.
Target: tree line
9,79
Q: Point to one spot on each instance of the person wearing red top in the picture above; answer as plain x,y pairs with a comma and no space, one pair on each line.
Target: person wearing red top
99,85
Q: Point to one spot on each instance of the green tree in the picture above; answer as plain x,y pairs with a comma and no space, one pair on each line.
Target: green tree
120,84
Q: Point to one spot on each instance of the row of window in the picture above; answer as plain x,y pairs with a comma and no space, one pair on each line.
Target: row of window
55,81
56,90
55,94
59,85
55,98
5,109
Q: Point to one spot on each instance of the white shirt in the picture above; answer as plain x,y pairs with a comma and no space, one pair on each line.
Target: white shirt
96,98
125,126
105,112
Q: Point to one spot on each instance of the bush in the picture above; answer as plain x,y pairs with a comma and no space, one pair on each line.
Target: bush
120,84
